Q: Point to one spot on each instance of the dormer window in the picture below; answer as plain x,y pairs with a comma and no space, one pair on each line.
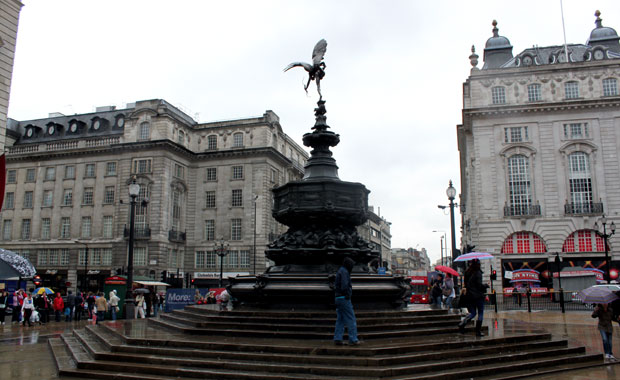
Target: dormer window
74,127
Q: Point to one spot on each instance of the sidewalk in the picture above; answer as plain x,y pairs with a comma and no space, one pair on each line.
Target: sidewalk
24,353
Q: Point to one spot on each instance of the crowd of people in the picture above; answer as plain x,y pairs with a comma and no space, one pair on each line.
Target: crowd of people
29,309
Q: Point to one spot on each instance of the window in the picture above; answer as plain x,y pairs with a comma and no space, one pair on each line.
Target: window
610,87
69,172
181,137
210,199
89,171
106,256
50,174
48,197
30,175
11,176
65,228
52,257
210,261
524,242
211,174
108,195
212,142
145,131
515,134
64,256
87,197
580,183
519,185
237,198
42,257
584,241
82,256
498,95
237,172
210,229
238,140
9,201
46,224
576,131
141,166
533,92
179,171
571,90
25,229
244,259
86,227
199,259
28,199
142,209
176,210
235,229
233,258
67,197
108,226
110,168
173,258
95,257
139,256
7,228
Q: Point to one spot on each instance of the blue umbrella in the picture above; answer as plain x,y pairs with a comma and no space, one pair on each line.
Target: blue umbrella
43,290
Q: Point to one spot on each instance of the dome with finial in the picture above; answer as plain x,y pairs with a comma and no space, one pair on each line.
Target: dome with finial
497,50
602,35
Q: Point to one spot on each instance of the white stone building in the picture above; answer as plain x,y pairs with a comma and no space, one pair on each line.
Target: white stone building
539,145
67,191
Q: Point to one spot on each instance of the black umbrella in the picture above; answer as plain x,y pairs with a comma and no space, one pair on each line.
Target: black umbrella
141,290
13,265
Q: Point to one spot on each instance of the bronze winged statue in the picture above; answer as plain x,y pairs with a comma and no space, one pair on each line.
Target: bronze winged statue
316,69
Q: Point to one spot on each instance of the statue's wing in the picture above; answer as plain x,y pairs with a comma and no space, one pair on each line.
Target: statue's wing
305,65
319,52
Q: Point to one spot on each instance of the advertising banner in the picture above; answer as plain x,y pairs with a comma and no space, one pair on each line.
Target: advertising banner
179,298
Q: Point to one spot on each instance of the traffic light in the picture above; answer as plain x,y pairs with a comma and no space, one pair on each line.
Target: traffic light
164,276
494,275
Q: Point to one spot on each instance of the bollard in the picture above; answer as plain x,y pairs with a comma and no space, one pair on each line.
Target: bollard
529,300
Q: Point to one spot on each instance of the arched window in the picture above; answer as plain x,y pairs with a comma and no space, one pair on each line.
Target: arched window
145,131
523,242
584,241
580,183
519,186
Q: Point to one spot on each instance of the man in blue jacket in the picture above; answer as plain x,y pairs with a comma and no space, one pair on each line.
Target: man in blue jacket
344,307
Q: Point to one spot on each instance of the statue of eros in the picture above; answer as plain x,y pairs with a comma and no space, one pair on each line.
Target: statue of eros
316,69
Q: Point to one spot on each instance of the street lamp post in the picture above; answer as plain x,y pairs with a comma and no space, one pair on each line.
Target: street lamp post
451,193
254,249
557,267
443,239
221,250
606,236
134,191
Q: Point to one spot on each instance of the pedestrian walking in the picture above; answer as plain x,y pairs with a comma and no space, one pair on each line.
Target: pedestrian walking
155,302
70,305
436,293
4,301
90,302
345,316
448,290
79,306
28,308
149,304
16,304
42,304
140,305
604,313
59,306
102,306
475,292
113,304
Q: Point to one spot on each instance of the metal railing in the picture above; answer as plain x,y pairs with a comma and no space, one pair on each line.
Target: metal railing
177,236
583,208
536,301
522,210
138,232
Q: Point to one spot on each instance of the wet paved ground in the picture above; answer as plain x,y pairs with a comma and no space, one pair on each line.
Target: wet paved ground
24,353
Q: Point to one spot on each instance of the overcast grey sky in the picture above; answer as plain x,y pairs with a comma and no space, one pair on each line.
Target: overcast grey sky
393,80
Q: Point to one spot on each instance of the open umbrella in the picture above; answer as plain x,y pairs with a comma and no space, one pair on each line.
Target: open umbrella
473,256
597,294
14,265
141,290
446,269
42,290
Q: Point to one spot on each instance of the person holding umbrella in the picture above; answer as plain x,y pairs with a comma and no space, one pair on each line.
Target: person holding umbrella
604,313
475,291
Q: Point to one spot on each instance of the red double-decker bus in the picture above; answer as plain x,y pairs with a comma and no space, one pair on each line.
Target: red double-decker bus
420,292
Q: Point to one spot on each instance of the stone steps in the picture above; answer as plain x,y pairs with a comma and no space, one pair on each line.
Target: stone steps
267,345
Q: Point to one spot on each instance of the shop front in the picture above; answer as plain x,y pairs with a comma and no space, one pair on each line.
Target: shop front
94,280
55,279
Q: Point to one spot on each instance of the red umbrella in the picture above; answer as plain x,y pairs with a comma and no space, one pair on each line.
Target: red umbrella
446,269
